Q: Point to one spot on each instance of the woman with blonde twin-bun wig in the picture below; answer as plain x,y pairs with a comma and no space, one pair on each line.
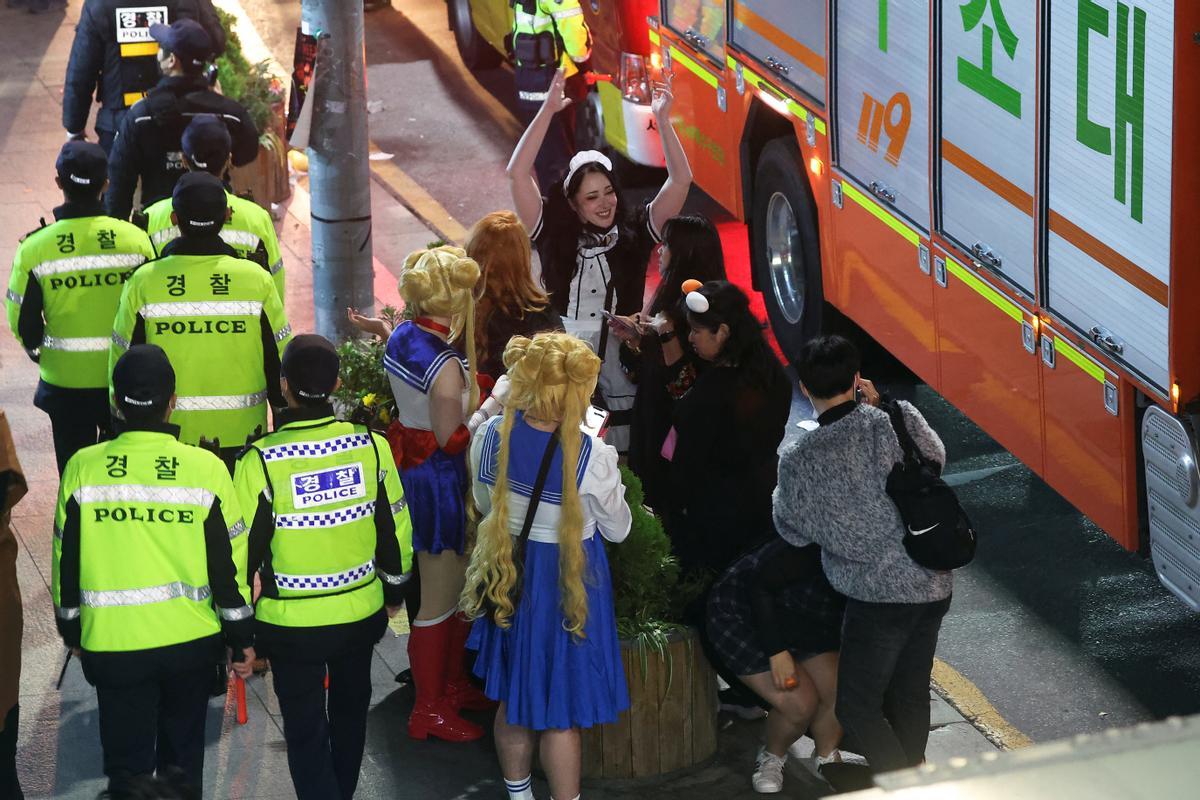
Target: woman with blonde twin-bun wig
435,392
544,622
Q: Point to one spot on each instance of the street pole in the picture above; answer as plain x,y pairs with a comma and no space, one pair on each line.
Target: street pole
339,171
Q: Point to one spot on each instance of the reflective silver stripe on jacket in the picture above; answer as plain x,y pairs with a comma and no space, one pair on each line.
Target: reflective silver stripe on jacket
278,265
58,532
67,614
398,506
283,333
120,341
234,614
326,519
165,235
239,238
324,582
393,580
143,597
536,22
86,263
570,12
220,402
14,297
237,529
75,344
173,495
532,95
321,447
210,308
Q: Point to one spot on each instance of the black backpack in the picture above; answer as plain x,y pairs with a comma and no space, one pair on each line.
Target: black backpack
938,534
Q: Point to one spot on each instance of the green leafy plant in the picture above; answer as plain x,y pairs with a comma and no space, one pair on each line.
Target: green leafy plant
365,390
252,85
649,591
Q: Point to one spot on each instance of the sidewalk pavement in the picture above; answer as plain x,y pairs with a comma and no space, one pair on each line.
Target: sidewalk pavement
58,747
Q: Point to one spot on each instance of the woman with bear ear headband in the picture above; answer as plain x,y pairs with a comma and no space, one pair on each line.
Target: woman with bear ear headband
435,392
593,250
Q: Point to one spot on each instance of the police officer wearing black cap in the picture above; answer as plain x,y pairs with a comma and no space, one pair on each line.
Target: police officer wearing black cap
217,316
331,538
148,143
62,297
160,584
250,230
113,57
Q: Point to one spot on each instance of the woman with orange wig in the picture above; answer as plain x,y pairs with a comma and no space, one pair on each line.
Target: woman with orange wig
538,584
510,302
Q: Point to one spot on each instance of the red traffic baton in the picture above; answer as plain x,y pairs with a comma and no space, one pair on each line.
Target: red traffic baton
239,694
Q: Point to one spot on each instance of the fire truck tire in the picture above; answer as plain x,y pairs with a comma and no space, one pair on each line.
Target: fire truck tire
474,50
785,246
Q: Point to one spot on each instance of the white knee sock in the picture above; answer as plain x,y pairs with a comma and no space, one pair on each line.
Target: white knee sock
520,790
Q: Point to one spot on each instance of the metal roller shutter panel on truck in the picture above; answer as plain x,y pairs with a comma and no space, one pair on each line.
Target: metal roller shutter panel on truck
989,135
1110,158
788,36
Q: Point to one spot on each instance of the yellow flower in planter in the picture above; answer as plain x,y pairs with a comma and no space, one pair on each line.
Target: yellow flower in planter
384,416
369,400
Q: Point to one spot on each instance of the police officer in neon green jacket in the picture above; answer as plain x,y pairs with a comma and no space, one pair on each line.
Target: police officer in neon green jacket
149,577
62,296
217,316
547,35
332,541
250,230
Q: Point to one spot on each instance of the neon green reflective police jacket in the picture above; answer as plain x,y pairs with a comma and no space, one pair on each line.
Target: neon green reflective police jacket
249,231
220,321
149,547
63,294
329,528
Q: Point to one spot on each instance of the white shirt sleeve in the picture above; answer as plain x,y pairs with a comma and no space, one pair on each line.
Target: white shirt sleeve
480,491
603,494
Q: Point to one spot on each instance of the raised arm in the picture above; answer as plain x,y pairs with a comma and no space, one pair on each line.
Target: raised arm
526,195
670,198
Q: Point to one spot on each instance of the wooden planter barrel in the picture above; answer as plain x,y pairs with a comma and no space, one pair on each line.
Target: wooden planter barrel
265,178
672,722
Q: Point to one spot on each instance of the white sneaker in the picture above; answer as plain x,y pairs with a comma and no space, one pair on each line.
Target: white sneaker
768,772
815,763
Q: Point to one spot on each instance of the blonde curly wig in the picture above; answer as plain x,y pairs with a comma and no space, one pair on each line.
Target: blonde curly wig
441,282
553,376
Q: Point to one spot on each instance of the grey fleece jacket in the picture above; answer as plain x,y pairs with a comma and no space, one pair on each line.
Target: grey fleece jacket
831,491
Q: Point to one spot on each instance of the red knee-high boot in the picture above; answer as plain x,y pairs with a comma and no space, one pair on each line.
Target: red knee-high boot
432,715
460,692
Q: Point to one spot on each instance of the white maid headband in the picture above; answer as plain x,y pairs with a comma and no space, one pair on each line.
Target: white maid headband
582,158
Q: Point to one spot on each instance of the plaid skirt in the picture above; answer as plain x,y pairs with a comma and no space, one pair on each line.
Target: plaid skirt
809,611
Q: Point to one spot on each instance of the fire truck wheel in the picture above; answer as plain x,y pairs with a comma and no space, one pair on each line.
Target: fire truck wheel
475,51
785,246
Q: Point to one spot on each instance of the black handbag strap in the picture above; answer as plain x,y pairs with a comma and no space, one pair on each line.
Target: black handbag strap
608,301
535,497
911,453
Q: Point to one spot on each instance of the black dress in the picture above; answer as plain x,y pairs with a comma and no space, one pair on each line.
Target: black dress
728,429
502,326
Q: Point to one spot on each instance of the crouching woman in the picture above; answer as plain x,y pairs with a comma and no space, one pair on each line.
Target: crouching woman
538,584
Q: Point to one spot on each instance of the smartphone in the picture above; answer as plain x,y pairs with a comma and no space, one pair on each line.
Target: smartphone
595,421
619,322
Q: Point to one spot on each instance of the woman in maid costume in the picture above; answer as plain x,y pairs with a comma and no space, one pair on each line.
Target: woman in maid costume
435,392
538,584
594,250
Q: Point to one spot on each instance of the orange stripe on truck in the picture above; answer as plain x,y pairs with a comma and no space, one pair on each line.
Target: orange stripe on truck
982,173
780,39
1130,272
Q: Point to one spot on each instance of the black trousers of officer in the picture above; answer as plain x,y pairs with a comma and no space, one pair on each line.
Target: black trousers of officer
153,705
326,732
78,418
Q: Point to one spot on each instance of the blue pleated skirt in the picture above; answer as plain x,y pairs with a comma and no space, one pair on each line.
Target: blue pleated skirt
436,492
548,678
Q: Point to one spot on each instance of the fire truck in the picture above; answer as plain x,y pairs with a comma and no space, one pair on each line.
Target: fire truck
997,191
616,116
